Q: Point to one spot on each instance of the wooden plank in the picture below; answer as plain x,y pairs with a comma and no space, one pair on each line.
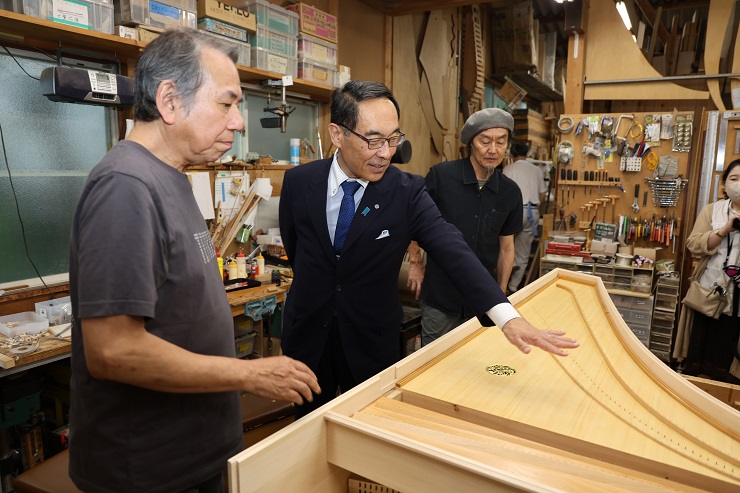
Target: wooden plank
673,47
649,11
504,452
735,82
433,58
575,72
656,25
720,390
407,30
718,22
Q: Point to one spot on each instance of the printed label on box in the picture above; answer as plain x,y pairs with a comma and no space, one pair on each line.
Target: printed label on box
164,10
315,22
225,12
71,12
277,64
320,73
218,27
126,32
320,52
277,42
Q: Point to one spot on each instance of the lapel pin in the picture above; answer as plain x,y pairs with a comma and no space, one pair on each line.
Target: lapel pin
365,211
377,206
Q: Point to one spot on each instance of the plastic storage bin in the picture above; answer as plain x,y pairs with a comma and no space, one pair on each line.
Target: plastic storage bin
316,72
96,15
12,5
244,345
274,41
128,12
23,323
244,48
272,16
317,49
58,311
272,62
222,28
173,13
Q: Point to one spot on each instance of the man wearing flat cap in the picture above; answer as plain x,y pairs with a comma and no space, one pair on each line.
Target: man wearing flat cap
486,207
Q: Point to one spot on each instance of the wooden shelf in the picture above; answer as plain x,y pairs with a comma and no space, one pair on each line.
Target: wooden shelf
20,27
26,28
253,75
535,87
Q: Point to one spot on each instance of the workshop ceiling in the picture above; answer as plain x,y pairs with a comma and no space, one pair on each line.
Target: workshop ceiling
682,22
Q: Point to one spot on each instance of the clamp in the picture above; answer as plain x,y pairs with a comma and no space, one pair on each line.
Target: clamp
631,118
258,309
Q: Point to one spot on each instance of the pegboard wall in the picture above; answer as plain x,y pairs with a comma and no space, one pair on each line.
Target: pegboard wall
628,170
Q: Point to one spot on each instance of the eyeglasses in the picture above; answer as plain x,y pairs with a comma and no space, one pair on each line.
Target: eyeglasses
393,141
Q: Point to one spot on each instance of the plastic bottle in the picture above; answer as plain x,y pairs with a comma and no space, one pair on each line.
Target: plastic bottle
232,270
260,264
241,266
220,261
295,151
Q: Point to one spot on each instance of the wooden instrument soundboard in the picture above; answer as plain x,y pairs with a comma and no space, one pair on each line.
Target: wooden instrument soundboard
471,413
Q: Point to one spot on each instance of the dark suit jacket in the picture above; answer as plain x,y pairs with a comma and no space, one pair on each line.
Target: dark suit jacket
361,288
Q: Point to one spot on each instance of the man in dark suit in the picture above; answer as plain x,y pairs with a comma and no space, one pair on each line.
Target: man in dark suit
343,315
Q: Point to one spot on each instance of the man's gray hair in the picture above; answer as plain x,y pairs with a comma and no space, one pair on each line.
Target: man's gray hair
175,55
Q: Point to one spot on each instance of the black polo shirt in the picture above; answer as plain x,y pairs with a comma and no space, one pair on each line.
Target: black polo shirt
481,214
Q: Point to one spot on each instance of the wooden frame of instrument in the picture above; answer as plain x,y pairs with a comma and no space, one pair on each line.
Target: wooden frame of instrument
351,437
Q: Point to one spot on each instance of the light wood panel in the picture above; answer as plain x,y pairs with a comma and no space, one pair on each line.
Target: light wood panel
521,460
609,417
613,55
600,401
407,29
717,23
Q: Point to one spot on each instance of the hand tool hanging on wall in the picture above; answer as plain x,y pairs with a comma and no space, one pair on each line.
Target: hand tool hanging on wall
613,199
604,201
635,205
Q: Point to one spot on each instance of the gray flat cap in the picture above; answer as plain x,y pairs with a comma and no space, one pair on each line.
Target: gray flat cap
483,120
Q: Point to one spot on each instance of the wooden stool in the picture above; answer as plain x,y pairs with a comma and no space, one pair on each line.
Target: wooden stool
51,476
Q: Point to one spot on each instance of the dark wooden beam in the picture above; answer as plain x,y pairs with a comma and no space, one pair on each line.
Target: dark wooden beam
649,12
404,7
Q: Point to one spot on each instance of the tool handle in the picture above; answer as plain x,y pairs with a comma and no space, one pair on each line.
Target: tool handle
637,190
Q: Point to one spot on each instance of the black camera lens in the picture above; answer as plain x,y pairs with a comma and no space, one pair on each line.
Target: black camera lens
736,223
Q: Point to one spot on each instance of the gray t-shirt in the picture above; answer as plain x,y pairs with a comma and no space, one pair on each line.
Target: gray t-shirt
139,247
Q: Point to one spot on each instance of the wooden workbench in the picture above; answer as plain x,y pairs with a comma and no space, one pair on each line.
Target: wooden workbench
51,348
237,299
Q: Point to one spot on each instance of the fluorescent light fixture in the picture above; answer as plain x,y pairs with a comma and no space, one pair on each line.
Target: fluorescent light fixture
622,9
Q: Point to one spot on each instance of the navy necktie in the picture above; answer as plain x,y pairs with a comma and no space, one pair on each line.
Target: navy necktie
346,213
